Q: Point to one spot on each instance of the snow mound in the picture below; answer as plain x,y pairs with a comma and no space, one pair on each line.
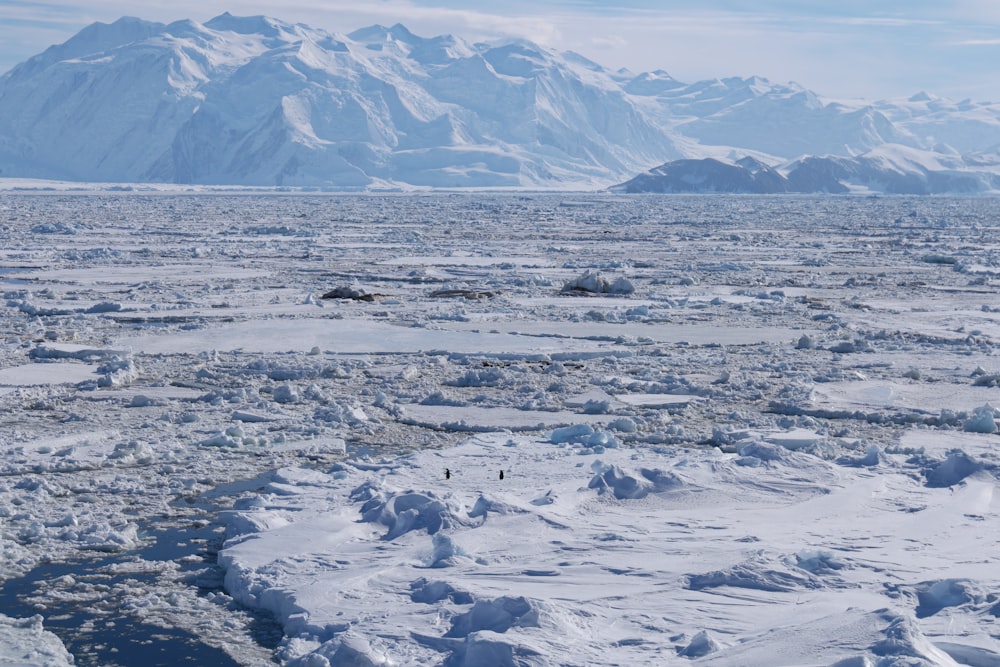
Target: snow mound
933,596
905,645
584,435
246,522
485,648
498,615
595,283
952,470
625,486
485,506
756,574
873,456
758,452
982,421
348,650
701,644
429,592
446,553
409,511
883,638
819,562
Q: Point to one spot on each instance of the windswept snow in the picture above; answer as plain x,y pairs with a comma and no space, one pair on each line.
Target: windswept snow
776,447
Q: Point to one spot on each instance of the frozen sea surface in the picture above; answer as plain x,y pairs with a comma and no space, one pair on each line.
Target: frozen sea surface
271,429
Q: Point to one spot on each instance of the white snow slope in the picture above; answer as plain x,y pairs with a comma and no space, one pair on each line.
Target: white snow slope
772,443
257,101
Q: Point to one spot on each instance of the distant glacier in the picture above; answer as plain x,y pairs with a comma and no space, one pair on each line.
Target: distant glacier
256,101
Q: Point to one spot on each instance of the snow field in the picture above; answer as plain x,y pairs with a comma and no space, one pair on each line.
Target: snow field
619,557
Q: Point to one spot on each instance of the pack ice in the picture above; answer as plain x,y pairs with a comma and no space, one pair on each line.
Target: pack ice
499,429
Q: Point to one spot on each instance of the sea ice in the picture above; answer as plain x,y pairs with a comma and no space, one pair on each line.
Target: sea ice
776,449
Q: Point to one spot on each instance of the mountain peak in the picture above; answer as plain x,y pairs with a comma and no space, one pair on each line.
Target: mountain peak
99,37
247,25
752,164
440,50
922,96
379,33
651,84
93,39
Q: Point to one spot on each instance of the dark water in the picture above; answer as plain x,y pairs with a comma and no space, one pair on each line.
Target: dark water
98,635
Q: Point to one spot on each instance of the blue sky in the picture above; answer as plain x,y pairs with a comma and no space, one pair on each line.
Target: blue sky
841,48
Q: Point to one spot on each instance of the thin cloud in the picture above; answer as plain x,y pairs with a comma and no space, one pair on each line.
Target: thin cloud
881,22
609,42
979,42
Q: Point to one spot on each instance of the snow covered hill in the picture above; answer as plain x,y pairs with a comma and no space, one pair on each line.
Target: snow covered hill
889,169
257,101
780,120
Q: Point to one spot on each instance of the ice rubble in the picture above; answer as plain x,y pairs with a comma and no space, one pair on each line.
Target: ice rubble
595,283
25,642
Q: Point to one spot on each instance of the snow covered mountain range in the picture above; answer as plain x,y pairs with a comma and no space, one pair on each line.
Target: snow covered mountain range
889,169
257,101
